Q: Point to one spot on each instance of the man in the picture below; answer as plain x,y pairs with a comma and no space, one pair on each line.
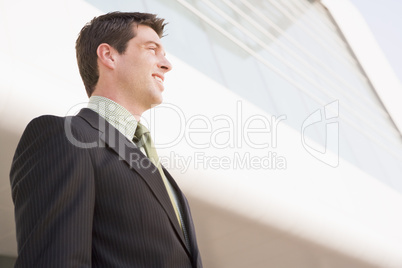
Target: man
89,190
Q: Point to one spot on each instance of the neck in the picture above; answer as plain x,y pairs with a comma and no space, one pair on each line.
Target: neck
133,108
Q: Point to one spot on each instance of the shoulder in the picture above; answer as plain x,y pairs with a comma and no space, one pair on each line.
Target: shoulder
45,143
39,130
52,123
47,128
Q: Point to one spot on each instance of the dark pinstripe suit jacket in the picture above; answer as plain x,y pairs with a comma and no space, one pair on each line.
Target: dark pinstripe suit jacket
85,196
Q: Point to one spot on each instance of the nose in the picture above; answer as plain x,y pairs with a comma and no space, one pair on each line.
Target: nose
165,64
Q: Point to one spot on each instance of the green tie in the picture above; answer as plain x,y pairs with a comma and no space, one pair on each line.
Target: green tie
143,139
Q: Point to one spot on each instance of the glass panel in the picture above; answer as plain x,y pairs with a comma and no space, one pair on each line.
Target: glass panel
186,37
240,71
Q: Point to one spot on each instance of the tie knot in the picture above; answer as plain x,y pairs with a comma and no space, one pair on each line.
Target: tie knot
141,135
140,130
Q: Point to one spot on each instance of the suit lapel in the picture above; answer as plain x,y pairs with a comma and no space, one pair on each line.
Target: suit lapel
187,218
127,151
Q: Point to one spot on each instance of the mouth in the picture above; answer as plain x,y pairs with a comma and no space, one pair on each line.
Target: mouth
158,78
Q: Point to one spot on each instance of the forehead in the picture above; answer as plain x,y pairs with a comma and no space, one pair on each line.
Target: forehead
144,34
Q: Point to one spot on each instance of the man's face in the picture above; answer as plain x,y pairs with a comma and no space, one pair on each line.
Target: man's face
142,67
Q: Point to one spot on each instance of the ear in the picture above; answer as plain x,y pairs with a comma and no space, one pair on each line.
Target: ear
106,55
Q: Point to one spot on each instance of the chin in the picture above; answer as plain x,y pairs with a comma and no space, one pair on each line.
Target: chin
156,102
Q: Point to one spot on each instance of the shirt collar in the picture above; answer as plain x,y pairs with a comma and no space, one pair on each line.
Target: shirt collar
115,114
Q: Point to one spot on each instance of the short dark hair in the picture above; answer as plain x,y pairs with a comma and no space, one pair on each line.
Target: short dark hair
115,29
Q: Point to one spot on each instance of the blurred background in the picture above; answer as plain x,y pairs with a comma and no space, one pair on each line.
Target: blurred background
288,142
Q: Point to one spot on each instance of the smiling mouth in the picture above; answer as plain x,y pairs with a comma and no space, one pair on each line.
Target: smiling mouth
159,79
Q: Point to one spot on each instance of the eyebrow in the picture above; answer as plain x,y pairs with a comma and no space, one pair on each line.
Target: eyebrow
159,46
